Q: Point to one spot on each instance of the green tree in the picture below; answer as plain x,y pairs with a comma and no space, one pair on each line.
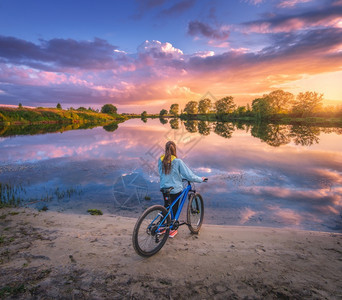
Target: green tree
307,103
174,108
163,112
108,109
59,106
20,105
261,108
280,101
204,106
144,114
191,107
81,108
225,105
241,110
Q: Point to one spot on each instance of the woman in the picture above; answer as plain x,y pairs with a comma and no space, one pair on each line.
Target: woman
171,171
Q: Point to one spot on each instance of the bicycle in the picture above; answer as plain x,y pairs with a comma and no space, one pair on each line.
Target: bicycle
152,228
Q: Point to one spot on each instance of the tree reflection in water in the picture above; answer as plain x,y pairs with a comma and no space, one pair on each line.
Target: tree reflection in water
174,123
305,135
224,129
162,120
191,125
273,134
111,127
204,127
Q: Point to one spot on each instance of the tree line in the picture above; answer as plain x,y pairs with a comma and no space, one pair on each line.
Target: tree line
278,102
105,109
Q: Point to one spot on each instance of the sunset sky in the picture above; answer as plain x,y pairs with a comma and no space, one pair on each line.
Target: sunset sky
146,55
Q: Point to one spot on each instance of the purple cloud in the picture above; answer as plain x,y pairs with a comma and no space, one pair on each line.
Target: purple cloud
197,28
325,17
306,45
178,8
58,54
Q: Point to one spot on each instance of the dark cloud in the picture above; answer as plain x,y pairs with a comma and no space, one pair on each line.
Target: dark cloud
144,6
311,43
178,8
175,8
312,47
285,23
58,54
197,28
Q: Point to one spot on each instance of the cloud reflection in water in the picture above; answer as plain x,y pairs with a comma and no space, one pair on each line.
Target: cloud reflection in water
251,182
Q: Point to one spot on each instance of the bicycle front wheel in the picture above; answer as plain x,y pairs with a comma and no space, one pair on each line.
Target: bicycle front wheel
195,213
150,232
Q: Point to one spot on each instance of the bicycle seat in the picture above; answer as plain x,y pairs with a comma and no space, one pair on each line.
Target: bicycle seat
166,190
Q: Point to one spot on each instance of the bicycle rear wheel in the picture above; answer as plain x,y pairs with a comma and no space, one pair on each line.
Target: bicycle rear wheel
195,213
147,238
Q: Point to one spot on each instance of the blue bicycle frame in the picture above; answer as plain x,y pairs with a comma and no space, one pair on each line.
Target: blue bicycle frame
184,194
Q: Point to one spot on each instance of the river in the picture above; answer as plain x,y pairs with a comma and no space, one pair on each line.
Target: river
259,174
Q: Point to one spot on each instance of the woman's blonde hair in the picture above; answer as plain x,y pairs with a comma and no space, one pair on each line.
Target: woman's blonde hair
170,149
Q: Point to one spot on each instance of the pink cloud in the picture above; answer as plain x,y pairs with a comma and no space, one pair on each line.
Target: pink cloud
161,72
291,3
329,17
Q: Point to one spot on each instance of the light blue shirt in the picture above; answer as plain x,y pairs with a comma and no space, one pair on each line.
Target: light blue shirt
179,171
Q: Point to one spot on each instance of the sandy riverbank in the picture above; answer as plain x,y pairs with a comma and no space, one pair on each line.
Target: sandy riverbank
48,255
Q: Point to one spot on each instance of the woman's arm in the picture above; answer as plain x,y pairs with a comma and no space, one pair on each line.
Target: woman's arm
187,173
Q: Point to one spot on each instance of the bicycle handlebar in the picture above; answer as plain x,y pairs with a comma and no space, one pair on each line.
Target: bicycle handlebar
204,180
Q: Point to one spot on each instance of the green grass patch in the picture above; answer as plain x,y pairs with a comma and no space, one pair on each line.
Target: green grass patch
95,212
13,213
43,116
44,208
12,290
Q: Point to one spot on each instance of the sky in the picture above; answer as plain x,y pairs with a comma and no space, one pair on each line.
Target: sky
146,55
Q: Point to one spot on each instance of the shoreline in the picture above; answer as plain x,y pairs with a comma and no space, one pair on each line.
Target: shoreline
58,255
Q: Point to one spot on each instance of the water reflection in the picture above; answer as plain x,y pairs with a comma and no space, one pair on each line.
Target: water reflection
204,127
224,129
174,124
163,120
290,179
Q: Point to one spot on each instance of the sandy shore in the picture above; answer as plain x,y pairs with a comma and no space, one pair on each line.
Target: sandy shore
45,255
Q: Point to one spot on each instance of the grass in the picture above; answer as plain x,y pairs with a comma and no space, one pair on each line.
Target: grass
12,290
13,213
9,115
10,195
44,208
16,195
95,212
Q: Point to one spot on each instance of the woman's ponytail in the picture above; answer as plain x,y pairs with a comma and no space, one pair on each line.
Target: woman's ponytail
170,149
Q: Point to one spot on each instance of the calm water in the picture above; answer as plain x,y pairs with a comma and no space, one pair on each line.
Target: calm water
280,176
